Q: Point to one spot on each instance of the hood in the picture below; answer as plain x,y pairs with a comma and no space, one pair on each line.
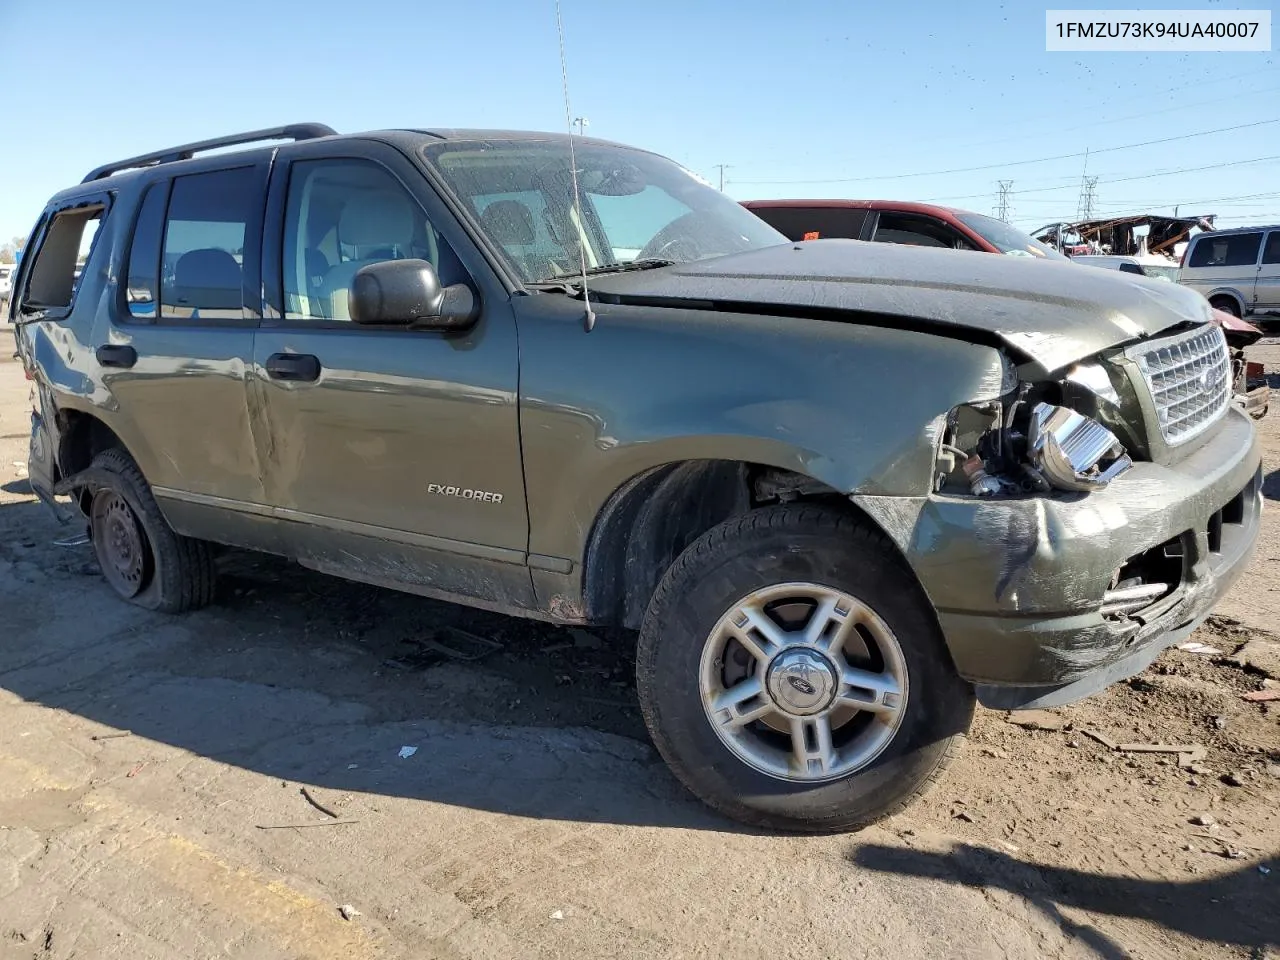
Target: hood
1050,313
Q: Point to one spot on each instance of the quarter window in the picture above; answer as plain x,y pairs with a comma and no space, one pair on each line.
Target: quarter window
59,263
342,215
1272,253
142,290
1234,250
202,271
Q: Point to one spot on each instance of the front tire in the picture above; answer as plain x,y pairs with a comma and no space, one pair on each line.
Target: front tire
142,558
792,675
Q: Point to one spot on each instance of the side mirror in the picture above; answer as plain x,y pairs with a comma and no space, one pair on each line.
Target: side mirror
408,293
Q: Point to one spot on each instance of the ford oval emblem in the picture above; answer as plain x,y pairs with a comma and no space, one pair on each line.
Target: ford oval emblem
803,685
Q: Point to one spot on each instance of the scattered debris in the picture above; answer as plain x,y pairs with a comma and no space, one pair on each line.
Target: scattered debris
1232,780
300,826
317,804
1203,820
995,752
79,540
1073,743
1263,870
1036,720
1261,696
407,752
136,770
112,736
557,915
1219,722
353,766
466,646
1262,656
1193,646
348,911
1095,735
1187,753
1191,760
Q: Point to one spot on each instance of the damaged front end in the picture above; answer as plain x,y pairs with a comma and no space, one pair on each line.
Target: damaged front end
1106,508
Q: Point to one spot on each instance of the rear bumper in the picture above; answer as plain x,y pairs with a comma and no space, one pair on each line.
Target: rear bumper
1018,584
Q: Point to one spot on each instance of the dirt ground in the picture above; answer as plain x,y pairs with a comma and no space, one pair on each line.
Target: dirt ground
152,773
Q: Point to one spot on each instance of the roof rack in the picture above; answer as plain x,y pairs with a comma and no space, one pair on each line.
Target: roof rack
294,131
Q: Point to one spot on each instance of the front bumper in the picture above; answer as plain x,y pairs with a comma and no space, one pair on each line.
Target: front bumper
1018,583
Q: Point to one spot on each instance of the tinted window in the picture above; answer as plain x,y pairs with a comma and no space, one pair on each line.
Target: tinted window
1272,253
1234,250
918,231
1007,239
202,269
631,221
342,215
144,253
797,223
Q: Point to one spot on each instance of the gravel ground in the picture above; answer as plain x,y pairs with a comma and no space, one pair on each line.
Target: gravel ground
534,820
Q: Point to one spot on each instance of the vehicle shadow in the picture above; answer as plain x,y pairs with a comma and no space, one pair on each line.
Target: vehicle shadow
308,678
1271,485
1252,920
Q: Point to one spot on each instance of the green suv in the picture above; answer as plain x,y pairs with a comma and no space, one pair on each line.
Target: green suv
840,489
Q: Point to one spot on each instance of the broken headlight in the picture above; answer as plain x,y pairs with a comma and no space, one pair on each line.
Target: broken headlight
1072,451
1028,442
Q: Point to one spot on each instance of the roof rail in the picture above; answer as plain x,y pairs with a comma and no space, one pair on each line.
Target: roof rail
294,131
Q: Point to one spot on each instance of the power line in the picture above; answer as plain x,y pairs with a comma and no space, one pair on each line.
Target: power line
1129,179
1022,163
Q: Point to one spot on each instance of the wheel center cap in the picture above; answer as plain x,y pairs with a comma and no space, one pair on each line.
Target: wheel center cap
801,681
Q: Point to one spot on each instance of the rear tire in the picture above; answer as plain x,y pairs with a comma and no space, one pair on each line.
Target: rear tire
800,746
142,558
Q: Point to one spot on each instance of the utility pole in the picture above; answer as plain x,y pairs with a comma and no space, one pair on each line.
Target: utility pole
722,167
1088,187
581,123
1003,209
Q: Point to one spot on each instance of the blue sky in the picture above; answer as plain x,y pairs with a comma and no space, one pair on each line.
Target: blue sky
853,94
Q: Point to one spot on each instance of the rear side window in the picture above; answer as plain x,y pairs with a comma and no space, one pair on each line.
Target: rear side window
143,290
917,231
1272,253
59,263
800,223
1236,250
202,270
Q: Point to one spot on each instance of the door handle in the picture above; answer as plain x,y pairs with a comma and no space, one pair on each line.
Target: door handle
116,355
293,366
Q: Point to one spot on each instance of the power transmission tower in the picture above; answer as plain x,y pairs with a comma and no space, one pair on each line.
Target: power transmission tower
1088,188
1003,210
722,167
581,123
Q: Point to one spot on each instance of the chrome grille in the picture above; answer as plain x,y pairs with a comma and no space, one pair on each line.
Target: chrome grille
1189,377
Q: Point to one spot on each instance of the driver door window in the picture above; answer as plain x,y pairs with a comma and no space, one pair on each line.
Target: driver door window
342,215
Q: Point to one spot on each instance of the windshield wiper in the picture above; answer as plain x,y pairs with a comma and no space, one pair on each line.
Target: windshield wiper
648,263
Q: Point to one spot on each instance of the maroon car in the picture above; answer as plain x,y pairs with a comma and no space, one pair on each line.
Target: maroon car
897,221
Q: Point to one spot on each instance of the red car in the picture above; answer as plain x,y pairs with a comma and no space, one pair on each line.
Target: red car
897,221
930,225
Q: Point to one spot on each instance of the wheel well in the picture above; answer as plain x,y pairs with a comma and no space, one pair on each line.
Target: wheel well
1228,298
82,436
652,518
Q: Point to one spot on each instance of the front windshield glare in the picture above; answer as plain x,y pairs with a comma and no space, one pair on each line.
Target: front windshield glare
635,206
1007,239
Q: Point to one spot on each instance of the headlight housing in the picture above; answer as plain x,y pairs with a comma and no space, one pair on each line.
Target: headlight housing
1072,451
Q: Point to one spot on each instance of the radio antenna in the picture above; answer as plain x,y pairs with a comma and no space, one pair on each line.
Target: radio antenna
589,321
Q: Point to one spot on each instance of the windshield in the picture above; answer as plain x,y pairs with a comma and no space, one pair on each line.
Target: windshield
1007,239
1160,272
635,206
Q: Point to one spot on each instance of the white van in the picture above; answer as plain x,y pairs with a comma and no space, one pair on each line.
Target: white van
1237,270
